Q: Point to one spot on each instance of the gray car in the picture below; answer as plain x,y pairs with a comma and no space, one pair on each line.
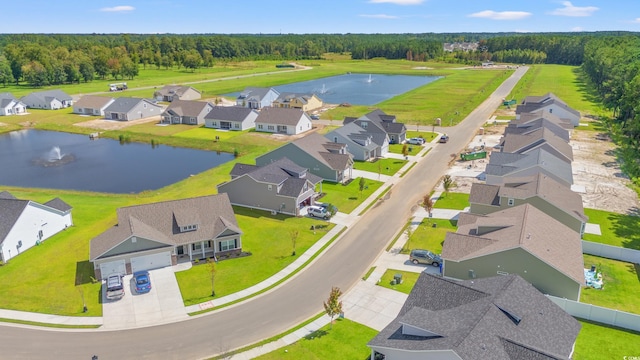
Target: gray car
419,256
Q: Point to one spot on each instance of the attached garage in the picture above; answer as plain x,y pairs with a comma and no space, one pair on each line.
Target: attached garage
149,262
112,267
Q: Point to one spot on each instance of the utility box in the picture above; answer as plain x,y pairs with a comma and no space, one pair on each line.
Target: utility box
481,131
397,278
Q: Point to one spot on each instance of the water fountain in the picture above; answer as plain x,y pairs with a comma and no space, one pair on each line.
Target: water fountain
369,79
55,157
323,90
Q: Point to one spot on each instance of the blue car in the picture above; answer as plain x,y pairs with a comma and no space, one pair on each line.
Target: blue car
143,282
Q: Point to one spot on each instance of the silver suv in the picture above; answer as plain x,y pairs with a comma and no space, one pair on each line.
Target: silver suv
115,288
419,256
318,211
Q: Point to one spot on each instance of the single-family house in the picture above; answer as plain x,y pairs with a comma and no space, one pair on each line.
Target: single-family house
360,143
497,318
329,160
127,109
10,105
48,99
231,118
542,191
187,112
92,105
504,164
520,240
257,98
304,102
155,235
540,138
26,223
281,186
283,121
377,121
533,117
548,103
524,128
171,93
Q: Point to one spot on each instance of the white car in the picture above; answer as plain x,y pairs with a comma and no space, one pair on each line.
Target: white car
416,141
317,211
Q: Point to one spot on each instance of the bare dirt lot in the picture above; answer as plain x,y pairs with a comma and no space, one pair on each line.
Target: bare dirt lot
596,173
103,124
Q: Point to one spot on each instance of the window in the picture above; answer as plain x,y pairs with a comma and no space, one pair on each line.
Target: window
364,124
335,139
260,126
511,202
214,123
192,120
269,187
198,246
227,245
189,228
236,125
270,127
144,105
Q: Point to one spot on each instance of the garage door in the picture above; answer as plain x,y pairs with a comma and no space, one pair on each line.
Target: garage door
112,267
148,262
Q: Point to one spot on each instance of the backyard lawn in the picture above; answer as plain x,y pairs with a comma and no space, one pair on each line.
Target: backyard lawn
428,136
408,280
347,197
617,229
621,285
380,166
411,149
598,341
452,200
427,237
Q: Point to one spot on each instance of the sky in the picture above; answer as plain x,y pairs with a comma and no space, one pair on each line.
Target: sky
320,16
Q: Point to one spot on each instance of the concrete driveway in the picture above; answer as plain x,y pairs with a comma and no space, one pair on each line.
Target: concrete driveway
161,305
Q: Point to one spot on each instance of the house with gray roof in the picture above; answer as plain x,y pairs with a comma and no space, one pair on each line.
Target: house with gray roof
26,223
542,191
92,105
397,132
304,102
171,93
127,109
283,121
504,164
525,118
10,105
521,240
257,97
497,318
281,186
155,235
540,138
231,118
548,103
48,99
329,160
360,143
533,124
186,112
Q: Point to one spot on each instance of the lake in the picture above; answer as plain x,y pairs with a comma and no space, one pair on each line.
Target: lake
49,159
356,89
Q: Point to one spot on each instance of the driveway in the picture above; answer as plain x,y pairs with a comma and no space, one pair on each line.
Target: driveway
163,304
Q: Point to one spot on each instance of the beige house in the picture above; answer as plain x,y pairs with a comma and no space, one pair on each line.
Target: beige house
520,240
170,93
304,102
92,105
283,121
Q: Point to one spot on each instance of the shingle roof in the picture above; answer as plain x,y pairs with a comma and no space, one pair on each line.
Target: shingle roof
174,89
534,103
93,102
282,172
58,204
157,221
477,320
7,95
229,113
186,108
518,227
484,194
541,137
280,116
286,97
11,208
530,126
318,146
124,104
357,135
256,93
541,114
501,164
51,94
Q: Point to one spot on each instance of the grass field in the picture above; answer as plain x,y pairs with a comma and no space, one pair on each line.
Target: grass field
428,237
408,280
381,166
617,229
621,285
452,200
347,197
598,341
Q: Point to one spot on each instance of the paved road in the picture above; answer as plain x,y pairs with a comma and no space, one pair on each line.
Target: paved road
282,308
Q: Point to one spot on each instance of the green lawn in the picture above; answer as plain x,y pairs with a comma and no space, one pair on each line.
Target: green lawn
347,197
617,229
452,200
381,166
621,285
408,280
425,236
598,341
412,149
345,340
428,136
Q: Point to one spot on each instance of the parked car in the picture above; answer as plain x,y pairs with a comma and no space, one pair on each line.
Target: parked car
416,141
143,281
419,256
443,139
318,211
115,288
315,117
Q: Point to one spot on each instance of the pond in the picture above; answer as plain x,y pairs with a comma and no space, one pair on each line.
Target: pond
49,159
357,89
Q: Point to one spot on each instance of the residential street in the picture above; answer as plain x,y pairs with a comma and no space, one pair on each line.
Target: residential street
279,309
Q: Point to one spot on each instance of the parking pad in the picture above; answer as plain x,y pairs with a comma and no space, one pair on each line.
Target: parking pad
163,304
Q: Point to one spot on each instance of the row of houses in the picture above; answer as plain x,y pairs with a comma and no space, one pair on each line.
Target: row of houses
520,239
48,100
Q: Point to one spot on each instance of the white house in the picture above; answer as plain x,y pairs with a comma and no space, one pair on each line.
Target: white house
48,99
548,103
9,105
26,223
231,118
283,121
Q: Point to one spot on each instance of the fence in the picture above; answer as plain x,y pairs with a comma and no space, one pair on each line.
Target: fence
611,252
599,314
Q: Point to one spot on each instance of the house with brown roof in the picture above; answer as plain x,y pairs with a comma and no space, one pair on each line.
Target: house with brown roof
26,223
231,118
281,186
283,121
92,105
186,112
329,160
497,318
172,93
540,138
549,103
152,236
520,240
304,102
542,191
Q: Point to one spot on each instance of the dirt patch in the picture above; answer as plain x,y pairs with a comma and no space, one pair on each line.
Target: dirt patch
103,124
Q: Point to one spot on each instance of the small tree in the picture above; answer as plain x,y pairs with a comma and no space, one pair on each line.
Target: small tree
447,183
409,233
405,150
333,305
294,237
212,273
427,204
361,184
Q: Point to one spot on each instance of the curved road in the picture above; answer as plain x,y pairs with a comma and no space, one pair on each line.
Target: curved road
280,309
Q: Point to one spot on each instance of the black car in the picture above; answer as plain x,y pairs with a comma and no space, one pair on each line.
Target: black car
443,139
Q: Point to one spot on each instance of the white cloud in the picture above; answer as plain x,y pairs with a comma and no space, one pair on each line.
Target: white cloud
378,16
637,21
398,2
577,29
121,8
570,10
501,15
